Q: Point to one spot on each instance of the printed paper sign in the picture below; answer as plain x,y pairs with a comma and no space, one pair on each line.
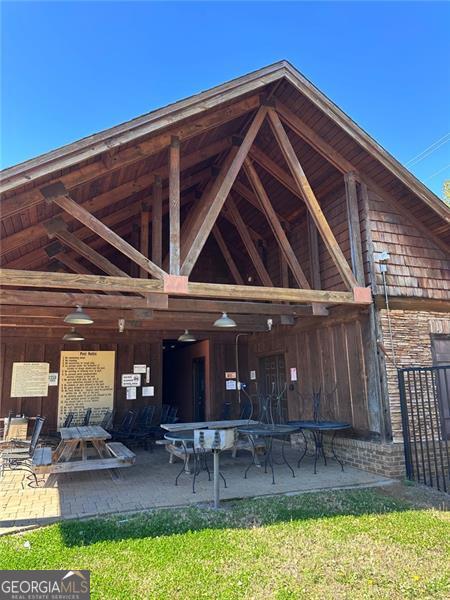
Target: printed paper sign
293,374
230,374
131,380
230,384
148,390
52,379
131,393
139,368
253,375
147,375
29,379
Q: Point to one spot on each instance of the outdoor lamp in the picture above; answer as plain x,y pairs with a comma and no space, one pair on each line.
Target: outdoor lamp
78,317
73,336
187,337
224,321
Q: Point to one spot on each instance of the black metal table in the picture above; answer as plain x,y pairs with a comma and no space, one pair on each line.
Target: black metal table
186,439
317,429
268,433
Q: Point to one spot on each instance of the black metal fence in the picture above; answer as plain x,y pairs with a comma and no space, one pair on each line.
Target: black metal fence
425,406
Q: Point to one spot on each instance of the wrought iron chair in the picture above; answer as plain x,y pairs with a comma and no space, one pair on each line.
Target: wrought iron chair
107,421
242,442
87,417
21,456
6,423
68,420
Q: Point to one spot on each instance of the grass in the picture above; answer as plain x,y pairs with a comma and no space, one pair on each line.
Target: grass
344,544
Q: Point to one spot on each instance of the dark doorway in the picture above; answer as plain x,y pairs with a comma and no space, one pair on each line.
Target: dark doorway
198,388
441,358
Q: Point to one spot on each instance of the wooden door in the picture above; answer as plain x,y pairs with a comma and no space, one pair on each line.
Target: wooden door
441,357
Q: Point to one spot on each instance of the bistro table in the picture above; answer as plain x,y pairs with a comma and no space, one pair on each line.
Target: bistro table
225,424
268,432
317,429
186,439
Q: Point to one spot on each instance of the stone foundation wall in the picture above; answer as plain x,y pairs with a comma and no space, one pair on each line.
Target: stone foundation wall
412,346
382,459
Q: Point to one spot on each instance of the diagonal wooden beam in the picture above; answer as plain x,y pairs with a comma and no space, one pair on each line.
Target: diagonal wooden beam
275,170
58,229
314,256
227,255
249,195
345,166
174,207
58,194
248,242
311,200
275,225
144,234
203,230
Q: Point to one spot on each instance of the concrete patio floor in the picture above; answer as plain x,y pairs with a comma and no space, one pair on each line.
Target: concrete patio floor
150,484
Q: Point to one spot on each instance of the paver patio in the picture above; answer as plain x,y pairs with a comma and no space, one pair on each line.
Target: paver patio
150,484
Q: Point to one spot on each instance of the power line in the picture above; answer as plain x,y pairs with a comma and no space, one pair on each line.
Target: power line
432,148
437,172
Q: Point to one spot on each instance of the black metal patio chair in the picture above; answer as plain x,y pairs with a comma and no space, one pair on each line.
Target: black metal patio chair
123,432
143,432
68,420
87,417
20,456
107,421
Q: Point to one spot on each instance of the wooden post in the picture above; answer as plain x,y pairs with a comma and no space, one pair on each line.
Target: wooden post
143,241
174,206
354,229
157,221
313,244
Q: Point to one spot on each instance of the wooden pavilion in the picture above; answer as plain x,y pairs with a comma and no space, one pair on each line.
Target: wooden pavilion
259,198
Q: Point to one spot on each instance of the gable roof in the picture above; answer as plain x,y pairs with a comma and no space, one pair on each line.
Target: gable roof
156,121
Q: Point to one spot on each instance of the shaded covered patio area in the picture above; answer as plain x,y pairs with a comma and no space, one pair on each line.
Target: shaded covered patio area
150,484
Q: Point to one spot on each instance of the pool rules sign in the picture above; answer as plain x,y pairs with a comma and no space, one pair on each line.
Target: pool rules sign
86,380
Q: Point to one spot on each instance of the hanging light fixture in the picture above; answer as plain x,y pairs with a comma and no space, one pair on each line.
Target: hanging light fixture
73,336
187,337
78,317
224,321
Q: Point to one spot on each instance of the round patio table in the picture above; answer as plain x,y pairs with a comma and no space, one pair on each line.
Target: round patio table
317,429
268,433
186,439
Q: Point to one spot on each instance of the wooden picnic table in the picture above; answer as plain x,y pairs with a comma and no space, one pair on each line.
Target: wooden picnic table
225,424
72,453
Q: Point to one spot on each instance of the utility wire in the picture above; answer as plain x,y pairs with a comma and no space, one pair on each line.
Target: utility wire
432,148
437,172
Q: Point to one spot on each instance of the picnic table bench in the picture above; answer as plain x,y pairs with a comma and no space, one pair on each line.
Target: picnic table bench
72,454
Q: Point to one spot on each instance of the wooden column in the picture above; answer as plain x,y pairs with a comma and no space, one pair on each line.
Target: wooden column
143,238
174,206
157,221
313,245
354,229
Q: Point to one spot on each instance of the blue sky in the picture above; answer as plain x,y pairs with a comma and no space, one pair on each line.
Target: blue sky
72,69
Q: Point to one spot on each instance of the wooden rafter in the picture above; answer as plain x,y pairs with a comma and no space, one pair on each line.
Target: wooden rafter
144,234
142,150
203,229
58,194
277,229
248,242
311,200
44,279
227,255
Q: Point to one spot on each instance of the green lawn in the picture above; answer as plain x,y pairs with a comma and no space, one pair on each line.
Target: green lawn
347,544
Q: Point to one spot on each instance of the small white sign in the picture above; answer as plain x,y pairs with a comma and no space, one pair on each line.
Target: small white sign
53,379
293,374
131,393
139,368
147,375
230,374
253,375
131,380
230,384
148,390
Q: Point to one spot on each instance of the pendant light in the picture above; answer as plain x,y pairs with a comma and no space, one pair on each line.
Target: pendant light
187,337
78,317
73,336
224,321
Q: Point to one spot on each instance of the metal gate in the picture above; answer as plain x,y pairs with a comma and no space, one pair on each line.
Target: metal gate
425,403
